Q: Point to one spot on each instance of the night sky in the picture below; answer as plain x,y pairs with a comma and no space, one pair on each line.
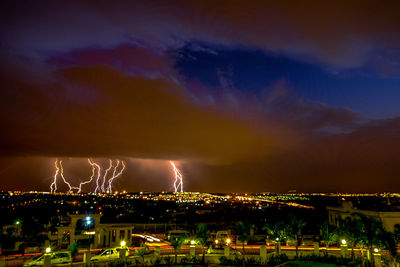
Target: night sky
245,96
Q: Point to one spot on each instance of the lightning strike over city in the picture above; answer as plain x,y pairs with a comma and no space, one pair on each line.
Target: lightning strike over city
115,174
53,186
178,183
96,175
105,176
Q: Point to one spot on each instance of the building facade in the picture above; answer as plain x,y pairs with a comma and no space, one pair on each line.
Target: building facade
389,219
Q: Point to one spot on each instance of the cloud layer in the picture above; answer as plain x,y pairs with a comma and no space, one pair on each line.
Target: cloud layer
96,79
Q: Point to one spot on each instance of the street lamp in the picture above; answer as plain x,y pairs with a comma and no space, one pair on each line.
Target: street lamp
376,250
88,223
192,242
48,250
123,243
228,241
344,242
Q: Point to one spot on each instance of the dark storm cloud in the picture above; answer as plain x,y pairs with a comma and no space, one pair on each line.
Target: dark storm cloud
306,116
97,79
365,160
120,115
339,33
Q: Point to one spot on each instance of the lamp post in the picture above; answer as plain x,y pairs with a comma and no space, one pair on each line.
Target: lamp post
192,251
122,252
88,223
343,248
47,257
277,246
377,258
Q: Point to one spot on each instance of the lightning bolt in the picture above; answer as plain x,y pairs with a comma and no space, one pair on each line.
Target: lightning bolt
178,184
105,176
53,186
63,178
115,174
94,166
100,180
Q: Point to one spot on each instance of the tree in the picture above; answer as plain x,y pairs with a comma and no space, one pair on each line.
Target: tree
176,243
294,230
350,230
276,231
370,231
243,234
389,242
327,234
203,235
397,233
74,249
142,252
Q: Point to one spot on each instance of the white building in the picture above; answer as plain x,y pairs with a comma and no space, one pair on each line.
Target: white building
388,218
98,234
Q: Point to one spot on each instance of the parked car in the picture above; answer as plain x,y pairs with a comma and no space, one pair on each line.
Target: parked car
58,257
108,254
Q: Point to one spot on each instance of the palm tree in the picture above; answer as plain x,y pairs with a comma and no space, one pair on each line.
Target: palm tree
294,230
389,242
349,229
176,243
203,235
327,234
142,252
276,231
370,230
397,233
243,234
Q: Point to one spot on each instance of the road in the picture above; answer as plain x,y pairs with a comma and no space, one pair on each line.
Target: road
18,259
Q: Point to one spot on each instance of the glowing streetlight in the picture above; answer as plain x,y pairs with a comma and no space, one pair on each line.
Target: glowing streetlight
48,250
344,242
216,241
376,250
277,239
192,242
228,241
123,243
88,221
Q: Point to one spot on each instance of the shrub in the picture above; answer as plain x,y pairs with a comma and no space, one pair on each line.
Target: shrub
156,262
277,259
253,261
224,261
168,260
